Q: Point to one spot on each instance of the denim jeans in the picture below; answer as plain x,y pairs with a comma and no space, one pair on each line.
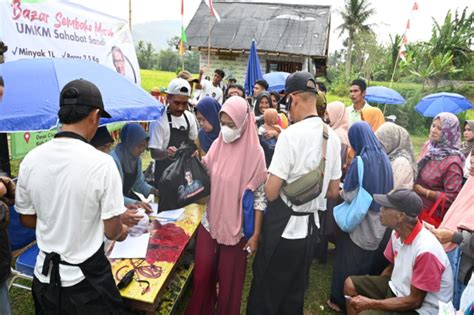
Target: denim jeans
4,301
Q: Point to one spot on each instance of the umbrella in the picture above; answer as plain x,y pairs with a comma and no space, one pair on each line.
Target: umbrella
254,72
276,80
433,104
383,95
32,88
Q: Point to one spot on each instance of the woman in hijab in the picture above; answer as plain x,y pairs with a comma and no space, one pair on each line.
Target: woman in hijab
440,170
338,119
221,247
126,155
468,142
207,115
397,144
373,116
360,252
467,146
263,102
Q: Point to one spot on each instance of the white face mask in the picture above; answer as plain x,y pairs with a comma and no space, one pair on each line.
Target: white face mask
230,135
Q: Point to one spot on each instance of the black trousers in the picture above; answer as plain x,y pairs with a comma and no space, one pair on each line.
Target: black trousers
283,286
81,298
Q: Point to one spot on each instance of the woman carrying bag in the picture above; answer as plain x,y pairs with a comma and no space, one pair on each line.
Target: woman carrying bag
236,165
440,169
360,251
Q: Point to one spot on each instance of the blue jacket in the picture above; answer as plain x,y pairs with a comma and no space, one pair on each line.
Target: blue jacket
140,185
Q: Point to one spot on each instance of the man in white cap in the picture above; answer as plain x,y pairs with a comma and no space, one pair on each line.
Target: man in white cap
175,127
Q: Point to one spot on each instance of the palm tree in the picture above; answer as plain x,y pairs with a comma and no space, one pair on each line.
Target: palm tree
355,16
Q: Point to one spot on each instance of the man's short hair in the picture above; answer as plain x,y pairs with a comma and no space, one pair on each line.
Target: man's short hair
2,83
235,86
262,83
360,83
74,114
220,72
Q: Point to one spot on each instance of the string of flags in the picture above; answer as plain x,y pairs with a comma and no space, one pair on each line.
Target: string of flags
403,49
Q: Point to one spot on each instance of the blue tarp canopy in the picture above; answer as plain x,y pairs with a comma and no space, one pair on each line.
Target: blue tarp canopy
32,88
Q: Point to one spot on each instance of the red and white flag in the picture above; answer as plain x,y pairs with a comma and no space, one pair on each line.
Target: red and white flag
213,11
403,48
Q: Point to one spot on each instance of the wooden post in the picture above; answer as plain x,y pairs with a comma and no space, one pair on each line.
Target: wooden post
130,14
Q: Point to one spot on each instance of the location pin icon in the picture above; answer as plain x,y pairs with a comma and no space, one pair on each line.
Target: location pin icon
26,136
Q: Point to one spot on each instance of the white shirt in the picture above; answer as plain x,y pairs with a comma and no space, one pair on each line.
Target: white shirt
297,152
354,115
71,188
160,129
208,89
420,261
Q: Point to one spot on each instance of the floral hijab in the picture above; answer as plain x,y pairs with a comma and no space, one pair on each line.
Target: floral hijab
449,143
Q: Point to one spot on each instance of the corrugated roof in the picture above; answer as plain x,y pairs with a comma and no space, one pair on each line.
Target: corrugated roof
276,27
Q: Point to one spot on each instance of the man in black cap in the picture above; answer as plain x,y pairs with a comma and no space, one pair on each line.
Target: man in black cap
281,265
419,275
72,194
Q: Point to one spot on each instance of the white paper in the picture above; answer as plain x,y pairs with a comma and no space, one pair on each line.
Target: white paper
154,208
170,215
131,247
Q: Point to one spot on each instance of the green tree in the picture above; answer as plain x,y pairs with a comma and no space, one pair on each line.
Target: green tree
455,36
168,60
146,55
354,16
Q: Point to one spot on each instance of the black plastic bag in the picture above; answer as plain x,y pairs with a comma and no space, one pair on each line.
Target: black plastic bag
183,182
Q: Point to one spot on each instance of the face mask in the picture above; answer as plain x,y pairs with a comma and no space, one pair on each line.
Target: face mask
230,135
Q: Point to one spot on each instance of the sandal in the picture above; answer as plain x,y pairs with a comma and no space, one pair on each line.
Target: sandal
333,306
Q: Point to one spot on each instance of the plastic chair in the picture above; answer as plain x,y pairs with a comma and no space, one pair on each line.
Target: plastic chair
21,240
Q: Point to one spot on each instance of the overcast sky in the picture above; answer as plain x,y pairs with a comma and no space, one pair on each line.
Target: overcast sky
390,18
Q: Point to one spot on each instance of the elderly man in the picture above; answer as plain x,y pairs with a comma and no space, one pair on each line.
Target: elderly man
176,126
419,274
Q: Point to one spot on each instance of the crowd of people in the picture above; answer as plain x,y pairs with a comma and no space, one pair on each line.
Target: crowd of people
298,159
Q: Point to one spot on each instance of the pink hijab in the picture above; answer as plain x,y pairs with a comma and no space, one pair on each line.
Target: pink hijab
461,213
233,168
339,120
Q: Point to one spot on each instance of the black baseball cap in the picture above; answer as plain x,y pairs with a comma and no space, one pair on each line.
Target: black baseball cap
82,93
403,200
300,81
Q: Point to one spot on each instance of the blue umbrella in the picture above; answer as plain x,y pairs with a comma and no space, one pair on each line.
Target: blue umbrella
276,80
32,88
383,95
433,104
254,72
